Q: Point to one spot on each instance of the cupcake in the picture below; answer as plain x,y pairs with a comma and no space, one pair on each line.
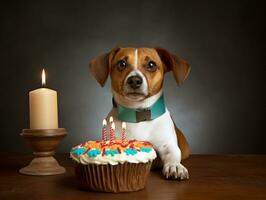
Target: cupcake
114,165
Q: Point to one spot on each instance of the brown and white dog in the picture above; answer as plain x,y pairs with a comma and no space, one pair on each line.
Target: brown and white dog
137,76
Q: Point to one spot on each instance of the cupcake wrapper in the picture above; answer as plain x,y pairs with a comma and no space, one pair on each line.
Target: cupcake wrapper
125,177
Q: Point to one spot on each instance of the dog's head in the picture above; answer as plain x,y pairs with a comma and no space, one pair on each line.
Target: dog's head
138,73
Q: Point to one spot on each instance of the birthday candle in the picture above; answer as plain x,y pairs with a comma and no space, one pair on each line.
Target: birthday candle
104,133
112,133
123,131
111,120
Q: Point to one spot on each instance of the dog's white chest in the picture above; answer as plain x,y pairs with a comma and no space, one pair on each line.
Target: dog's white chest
158,131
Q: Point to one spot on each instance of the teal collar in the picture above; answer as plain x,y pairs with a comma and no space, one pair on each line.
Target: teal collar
138,115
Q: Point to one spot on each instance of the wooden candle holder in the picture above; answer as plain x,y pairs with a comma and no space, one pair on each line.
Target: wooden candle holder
43,142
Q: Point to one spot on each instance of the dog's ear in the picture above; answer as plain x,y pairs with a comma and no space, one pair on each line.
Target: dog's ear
179,66
100,66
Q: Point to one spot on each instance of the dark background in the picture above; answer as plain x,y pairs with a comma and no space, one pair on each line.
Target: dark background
220,108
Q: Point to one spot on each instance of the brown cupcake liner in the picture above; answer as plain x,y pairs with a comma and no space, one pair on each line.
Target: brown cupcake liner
125,177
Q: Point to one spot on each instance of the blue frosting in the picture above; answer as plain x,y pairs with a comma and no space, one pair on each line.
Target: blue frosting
146,150
111,152
93,153
78,151
130,151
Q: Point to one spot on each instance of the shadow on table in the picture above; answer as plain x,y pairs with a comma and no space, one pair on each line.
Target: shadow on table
13,165
70,184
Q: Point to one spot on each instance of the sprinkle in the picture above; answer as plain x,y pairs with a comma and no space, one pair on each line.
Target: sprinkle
124,145
146,150
130,151
81,145
111,152
103,152
87,150
119,150
104,144
79,151
94,153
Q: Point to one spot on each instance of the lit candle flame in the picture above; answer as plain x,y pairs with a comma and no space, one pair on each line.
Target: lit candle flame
43,78
124,125
104,122
113,126
111,119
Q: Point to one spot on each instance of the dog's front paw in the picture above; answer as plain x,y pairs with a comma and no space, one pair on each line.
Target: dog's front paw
175,171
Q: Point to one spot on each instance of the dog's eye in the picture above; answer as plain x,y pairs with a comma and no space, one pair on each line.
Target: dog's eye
151,66
121,64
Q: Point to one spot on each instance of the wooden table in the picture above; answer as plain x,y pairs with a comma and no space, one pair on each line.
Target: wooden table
211,177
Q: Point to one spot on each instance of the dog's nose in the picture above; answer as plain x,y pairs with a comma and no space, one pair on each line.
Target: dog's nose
134,81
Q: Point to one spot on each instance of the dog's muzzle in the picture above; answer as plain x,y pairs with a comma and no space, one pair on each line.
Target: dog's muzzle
135,86
135,81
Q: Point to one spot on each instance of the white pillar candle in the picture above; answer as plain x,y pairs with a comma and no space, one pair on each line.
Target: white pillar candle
43,108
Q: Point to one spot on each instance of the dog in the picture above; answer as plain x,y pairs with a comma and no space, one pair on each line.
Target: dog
137,76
